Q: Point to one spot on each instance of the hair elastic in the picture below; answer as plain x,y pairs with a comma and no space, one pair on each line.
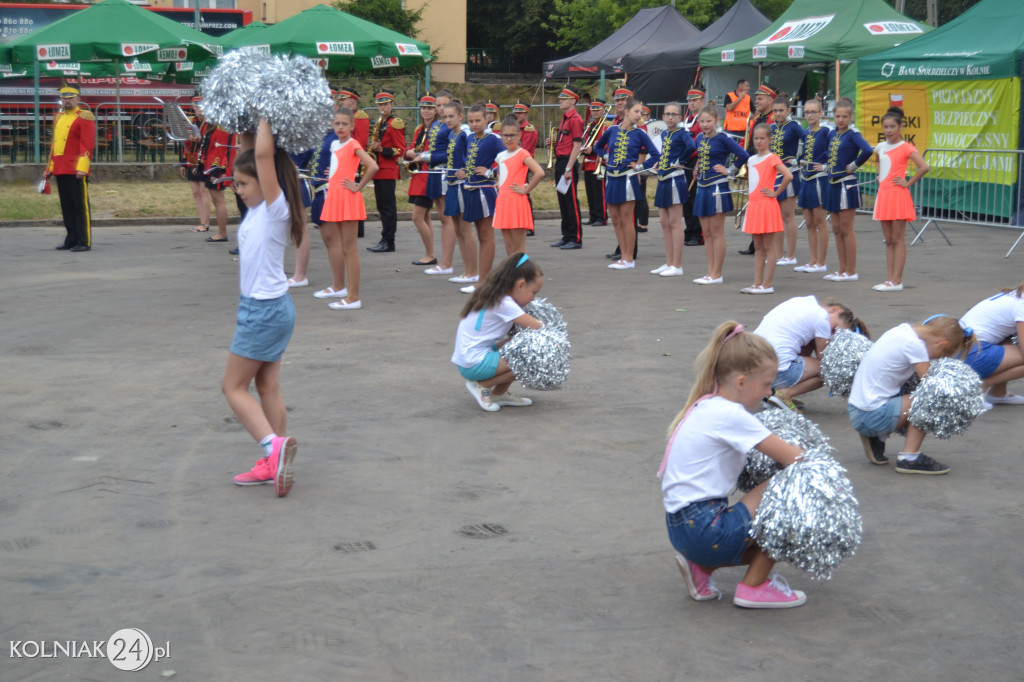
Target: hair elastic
522,260
738,329
968,331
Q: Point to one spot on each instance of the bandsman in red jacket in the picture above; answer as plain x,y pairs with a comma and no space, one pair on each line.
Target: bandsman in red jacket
387,144
74,138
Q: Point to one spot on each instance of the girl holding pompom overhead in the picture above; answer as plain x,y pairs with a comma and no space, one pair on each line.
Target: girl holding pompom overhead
487,319
266,180
996,359
706,452
894,206
876,407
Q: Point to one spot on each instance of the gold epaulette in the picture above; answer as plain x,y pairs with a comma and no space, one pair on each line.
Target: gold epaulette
361,114
87,115
529,128
397,123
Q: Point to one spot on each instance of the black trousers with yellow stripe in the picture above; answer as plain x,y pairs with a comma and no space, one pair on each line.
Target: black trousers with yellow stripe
74,205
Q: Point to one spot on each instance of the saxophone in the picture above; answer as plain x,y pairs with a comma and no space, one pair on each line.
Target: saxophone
374,137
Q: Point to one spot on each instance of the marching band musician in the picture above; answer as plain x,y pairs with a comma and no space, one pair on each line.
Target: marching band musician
592,182
217,152
694,103
642,214
491,115
567,149
762,113
813,185
677,148
387,144
424,139
619,98
787,135
191,171
74,137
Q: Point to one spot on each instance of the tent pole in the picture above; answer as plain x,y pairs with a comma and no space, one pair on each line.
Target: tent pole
117,85
428,77
36,76
601,95
837,80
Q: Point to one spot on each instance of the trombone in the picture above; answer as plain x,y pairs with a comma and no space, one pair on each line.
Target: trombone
592,136
552,136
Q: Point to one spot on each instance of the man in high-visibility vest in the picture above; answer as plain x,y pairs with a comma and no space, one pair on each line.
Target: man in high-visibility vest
74,138
737,109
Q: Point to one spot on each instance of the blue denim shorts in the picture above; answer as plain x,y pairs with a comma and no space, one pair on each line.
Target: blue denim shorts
791,377
485,369
878,422
710,532
985,358
263,328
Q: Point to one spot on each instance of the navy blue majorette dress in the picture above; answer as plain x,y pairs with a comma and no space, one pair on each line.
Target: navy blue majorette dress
454,205
435,157
621,148
713,187
813,183
676,147
843,150
785,144
480,192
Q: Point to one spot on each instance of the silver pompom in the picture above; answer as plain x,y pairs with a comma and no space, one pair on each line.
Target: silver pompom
539,358
840,360
947,400
809,516
791,427
293,95
229,89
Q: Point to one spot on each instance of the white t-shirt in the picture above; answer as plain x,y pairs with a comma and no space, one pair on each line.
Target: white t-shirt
480,330
886,367
793,324
262,238
995,319
708,452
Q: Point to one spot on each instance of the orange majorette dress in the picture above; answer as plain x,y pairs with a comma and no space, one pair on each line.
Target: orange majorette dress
341,204
763,213
893,202
512,210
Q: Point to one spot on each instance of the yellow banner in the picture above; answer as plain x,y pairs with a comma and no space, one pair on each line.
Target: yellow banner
945,115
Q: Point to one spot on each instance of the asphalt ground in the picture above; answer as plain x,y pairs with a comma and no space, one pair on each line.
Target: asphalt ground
426,539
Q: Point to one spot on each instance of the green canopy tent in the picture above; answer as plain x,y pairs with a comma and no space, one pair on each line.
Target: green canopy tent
827,32
235,38
114,32
338,41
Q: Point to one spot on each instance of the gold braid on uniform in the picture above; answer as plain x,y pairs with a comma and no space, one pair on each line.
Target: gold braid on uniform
621,148
703,157
666,147
471,156
776,144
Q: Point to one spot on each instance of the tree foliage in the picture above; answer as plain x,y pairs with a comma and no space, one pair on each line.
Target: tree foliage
386,13
515,26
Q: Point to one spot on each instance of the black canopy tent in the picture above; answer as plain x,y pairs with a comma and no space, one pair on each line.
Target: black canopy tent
656,26
665,73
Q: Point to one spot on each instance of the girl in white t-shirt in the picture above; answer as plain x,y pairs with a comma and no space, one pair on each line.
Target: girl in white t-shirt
876,407
266,180
487,319
706,452
996,359
798,330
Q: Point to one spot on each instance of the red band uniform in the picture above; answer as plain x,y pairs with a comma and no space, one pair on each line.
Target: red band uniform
389,131
74,138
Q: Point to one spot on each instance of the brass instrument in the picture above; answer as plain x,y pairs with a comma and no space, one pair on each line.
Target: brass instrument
552,137
589,140
374,136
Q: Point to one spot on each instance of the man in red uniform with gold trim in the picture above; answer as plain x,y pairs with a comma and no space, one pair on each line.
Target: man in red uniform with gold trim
492,112
567,149
387,144
74,138
693,234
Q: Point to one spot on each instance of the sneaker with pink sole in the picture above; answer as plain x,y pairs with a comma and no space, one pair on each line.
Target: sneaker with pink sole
282,453
260,474
774,593
701,585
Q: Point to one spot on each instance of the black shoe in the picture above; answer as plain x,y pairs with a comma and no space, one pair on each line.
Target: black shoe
80,248
381,247
641,229
590,222
598,222
432,261
922,465
614,256
63,247
692,242
559,244
746,252
530,233
874,448
233,252
571,245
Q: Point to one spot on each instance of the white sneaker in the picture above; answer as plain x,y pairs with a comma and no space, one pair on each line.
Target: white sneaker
462,279
762,290
298,282
832,276
623,265
707,280
802,268
888,286
467,289
786,261
672,271
843,277
331,293
660,269
747,290
511,400
482,396
816,268
438,270
345,305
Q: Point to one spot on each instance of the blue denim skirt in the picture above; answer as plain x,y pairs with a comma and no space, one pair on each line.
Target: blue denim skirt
710,532
263,328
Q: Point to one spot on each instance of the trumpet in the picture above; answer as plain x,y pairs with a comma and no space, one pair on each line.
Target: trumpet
552,135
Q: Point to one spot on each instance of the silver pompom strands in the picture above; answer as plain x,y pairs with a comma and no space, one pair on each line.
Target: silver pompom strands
291,94
809,516
947,400
791,427
539,358
840,360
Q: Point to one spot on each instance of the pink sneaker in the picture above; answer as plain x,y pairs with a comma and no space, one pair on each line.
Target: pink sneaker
258,475
773,593
701,585
282,452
